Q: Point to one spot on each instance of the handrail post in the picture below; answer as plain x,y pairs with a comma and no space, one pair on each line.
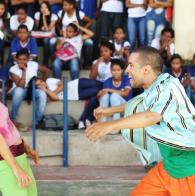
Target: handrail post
33,117
65,123
3,91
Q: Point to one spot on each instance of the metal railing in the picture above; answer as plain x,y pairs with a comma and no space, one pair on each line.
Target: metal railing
65,122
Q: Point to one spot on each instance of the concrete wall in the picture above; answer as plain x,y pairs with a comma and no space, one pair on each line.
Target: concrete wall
184,26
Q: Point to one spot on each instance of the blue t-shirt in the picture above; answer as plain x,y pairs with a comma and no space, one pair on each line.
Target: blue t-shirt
31,45
125,83
88,7
191,70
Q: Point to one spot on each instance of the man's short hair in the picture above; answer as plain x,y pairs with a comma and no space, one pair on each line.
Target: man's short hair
150,56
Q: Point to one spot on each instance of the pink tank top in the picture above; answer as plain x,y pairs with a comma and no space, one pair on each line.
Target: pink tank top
7,128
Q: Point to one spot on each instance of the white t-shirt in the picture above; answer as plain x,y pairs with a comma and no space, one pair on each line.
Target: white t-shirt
31,71
137,11
112,6
54,18
14,23
77,43
104,71
67,20
52,84
156,44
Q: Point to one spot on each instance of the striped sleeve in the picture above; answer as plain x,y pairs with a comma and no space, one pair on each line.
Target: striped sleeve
161,102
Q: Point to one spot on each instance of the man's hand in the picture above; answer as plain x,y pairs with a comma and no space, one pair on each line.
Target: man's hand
24,180
97,131
101,112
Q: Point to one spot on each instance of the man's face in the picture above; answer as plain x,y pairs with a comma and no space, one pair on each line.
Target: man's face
135,71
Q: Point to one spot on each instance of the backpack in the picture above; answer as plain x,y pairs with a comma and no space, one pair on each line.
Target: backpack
55,122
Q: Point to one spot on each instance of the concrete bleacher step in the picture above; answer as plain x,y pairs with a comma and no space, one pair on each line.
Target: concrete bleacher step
75,108
112,150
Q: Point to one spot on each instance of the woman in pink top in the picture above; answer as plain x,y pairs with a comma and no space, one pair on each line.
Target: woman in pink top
16,177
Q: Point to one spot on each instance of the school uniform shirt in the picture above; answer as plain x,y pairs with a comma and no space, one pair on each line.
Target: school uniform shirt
52,84
31,71
54,18
31,45
14,23
124,84
77,43
104,71
175,133
66,20
115,6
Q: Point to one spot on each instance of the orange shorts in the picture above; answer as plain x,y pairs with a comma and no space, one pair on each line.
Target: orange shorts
158,182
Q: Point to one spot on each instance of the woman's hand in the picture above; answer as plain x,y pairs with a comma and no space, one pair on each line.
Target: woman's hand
24,180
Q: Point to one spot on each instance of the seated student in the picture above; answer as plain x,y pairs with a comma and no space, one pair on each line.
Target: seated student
24,40
116,89
70,14
68,46
55,5
14,4
189,81
101,70
122,47
165,45
21,18
78,89
20,74
176,68
45,22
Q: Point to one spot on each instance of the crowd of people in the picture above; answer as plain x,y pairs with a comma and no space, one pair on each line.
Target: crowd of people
84,34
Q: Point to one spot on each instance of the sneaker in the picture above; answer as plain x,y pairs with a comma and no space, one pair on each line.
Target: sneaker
81,125
87,123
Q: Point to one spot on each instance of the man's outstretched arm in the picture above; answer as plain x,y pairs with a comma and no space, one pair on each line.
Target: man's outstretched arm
138,120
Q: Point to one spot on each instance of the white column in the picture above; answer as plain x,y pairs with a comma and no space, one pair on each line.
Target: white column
184,26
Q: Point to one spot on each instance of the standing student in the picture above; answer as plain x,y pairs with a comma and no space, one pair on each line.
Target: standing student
168,117
16,177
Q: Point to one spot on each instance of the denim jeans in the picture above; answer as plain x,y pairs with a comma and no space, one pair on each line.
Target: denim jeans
110,20
155,23
137,29
87,52
18,95
52,45
73,65
46,51
190,94
113,99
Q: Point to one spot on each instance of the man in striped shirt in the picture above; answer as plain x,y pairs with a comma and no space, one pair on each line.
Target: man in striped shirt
168,117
